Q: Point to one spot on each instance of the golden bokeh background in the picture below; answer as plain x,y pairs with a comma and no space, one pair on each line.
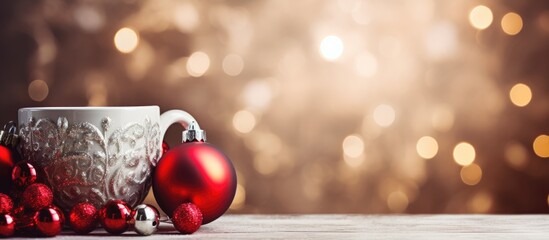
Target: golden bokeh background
347,106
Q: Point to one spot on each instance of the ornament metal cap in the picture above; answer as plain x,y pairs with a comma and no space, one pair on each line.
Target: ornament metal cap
8,136
194,133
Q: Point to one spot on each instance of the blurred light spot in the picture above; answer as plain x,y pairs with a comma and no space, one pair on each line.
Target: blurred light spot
88,18
543,21
511,23
442,118
397,201
541,146
481,17
244,121
186,17
480,203
516,155
353,146
471,174
520,94
257,94
38,90
365,65
548,199
464,153
441,40
198,64
126,40
427,147
239,198
384,115
265,164
331,48
233,65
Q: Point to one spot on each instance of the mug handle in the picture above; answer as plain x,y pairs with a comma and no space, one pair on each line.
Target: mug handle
176,116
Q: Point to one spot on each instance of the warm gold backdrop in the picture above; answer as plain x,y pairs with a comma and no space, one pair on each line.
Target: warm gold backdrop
355,106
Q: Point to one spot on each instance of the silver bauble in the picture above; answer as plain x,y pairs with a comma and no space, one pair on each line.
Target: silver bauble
145,219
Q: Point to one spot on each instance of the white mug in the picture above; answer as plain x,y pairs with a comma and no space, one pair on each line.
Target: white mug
94,154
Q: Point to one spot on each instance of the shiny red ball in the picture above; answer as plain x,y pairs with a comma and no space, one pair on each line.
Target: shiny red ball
195,172
83,218
115,216
6,165
23,174
6,205
187,218
7,225
48,221
36,196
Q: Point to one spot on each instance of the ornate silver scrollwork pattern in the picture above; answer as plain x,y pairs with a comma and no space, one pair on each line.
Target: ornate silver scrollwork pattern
83,162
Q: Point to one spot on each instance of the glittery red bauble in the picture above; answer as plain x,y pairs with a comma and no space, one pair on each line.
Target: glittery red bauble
7,225
83,218
6,205
48,221
6,165
187,218
23,174
36,196
195,172
114,216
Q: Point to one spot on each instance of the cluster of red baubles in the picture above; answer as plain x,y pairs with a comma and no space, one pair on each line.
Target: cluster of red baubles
116,217
35,215
33,212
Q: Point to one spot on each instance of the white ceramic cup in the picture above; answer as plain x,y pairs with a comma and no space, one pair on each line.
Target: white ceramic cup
94,154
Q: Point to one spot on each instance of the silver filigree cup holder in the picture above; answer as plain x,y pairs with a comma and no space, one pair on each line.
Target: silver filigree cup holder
94,154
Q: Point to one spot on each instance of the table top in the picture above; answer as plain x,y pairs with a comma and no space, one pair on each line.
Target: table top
356,227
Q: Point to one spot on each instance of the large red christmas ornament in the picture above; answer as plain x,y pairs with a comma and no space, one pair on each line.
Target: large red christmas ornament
6,205
23,174
115,216
6,165
48,221
7,225
195,172
36,197
83,218
187,218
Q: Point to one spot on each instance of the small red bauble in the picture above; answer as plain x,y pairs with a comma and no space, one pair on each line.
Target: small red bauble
48,221
7,225
6,205
36,196
187,218
6,165
23,174
115,216
195,172
83,218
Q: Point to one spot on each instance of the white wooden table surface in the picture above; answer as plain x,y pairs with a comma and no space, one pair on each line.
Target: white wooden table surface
355,227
